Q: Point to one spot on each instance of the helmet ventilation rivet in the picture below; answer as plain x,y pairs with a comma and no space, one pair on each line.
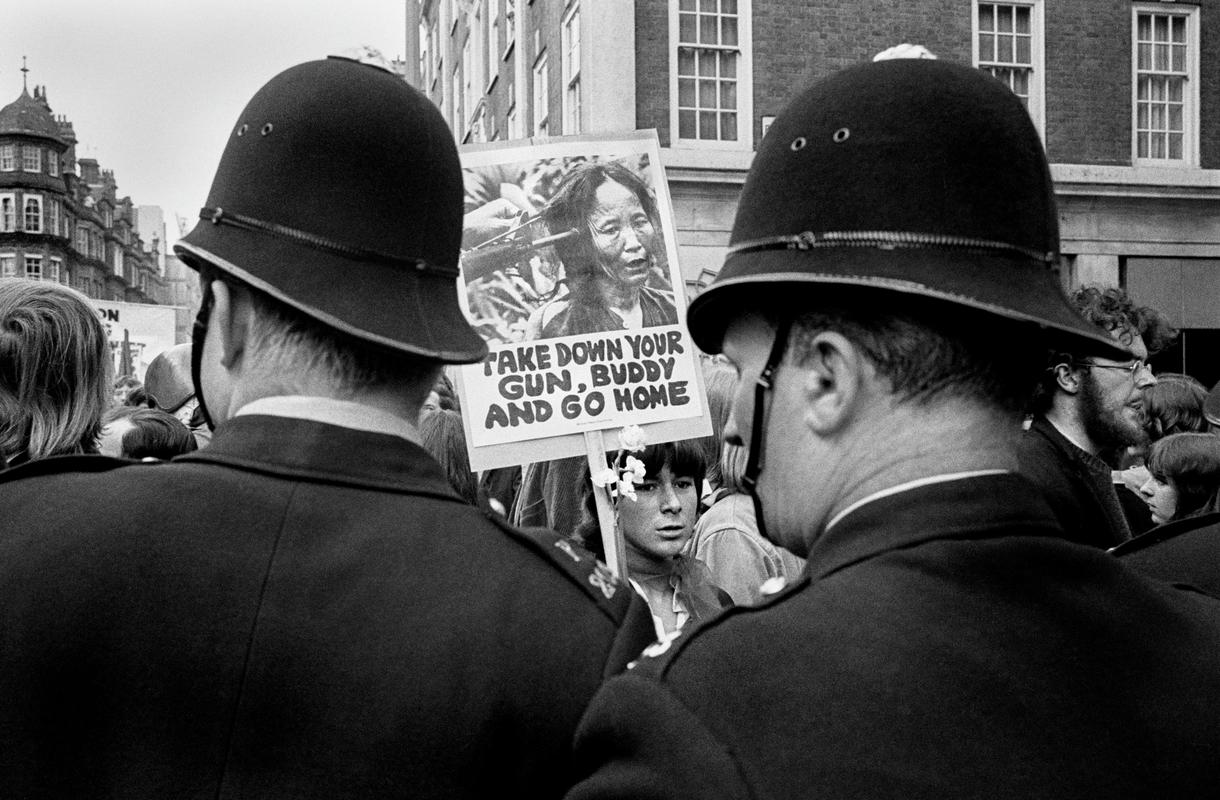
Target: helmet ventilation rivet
242,130
798,143
841,135
266,129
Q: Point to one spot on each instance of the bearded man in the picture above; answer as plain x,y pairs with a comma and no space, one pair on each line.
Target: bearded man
1089,409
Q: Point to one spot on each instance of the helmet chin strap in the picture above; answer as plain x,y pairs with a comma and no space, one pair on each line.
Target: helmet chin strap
766,379
198,333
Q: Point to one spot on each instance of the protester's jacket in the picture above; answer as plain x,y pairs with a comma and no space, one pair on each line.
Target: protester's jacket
573,318
1078,486
943,642
298,610
1185,552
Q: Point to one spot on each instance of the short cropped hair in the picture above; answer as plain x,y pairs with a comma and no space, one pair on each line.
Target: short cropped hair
295,343
1110,309
927,353
444,437
156,434
1190,463
55,370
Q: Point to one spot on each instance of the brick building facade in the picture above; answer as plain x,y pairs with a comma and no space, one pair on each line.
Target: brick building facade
61,218
1126,94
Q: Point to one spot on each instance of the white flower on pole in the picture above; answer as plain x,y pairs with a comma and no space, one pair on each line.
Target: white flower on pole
626,488
604,477
635,467
632,439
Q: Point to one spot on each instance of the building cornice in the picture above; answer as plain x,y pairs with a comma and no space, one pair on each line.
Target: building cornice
1098,180
698,165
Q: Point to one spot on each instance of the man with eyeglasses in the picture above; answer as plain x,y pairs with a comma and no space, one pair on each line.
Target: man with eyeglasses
1087,411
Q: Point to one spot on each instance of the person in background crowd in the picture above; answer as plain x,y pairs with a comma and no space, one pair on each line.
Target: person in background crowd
304,608
139,397
132,432
55,372
442,396
609,263
657,524
727,540
1183,491
888,297
720,382
1174,404
442,436
123,386
1089,408
1184,476
168,380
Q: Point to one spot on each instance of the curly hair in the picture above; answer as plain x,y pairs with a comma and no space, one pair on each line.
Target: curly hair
1109,308
1174,404
55,370
1190,463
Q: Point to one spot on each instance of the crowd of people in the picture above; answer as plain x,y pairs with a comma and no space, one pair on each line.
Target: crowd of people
951,536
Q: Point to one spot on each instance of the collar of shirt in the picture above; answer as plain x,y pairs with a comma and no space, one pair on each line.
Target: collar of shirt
909,485
329,411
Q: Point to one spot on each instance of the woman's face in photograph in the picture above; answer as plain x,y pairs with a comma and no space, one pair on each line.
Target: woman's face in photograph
660,521
623,235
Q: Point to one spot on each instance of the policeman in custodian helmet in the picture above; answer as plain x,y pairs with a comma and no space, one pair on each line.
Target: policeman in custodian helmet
887,298
304,608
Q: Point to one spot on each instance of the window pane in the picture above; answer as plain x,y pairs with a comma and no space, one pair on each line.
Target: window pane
1175,145
1175,117
1160,57
686,124
1023,54
686,27
708,6
707,124
1175,91
1160,29
728,65
986,17
728,30
1004,19
1141,116
728,6
707,29
707,94
1020,82
728,127
686,5
1023,19
1144,56
1144,28
728,94
1179,29
707,64
986,47
1179,58
1004,48
1158,146
686,92
686,61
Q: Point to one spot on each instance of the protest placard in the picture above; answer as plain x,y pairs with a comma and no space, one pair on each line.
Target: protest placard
149,329
570,272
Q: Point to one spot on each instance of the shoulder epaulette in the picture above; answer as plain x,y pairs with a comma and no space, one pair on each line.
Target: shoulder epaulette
58,465
581,566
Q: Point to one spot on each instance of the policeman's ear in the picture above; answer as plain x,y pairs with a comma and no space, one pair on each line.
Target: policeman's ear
833,373
1067,378
232,314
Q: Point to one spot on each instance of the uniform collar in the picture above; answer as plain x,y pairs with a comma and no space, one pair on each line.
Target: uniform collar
915,484
946,507
330,411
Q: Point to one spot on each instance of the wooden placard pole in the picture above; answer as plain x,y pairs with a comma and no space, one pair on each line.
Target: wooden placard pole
612,538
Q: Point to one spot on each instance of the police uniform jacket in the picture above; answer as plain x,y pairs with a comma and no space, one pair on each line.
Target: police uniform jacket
1185,552
298,610
944,642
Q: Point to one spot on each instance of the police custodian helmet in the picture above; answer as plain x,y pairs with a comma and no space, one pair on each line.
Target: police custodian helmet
340,194
912,176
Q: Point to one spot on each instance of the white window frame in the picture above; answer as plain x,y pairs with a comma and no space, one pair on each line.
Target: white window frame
27,201
510,28
492,59
31,158
52,163
116,260
52,211
8,265
744,80
459,124
1036,101
1190,92
8,158
82,240
8,212
513,115
469,82
56,269
540,101
32,266
569,56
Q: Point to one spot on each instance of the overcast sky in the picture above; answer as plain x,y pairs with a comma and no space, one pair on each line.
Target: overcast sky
153,86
